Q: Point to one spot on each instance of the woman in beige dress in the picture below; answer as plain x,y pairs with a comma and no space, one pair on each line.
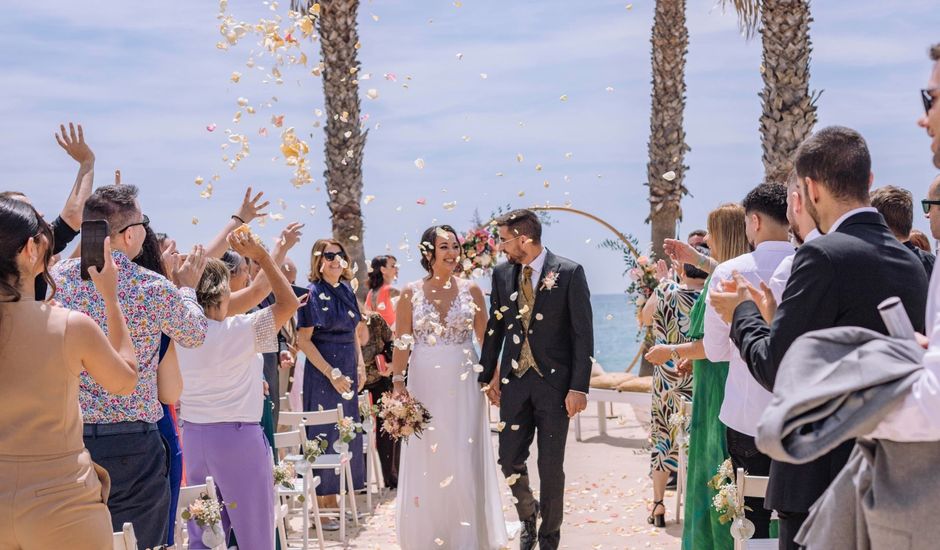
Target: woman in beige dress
51,494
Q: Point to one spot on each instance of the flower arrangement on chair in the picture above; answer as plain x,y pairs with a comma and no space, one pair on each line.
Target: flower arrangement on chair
728,504
313,448
284,475
206,511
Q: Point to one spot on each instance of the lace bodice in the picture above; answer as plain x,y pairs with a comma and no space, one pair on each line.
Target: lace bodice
457,326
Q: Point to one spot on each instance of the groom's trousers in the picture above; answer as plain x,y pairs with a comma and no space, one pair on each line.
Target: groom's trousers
531,408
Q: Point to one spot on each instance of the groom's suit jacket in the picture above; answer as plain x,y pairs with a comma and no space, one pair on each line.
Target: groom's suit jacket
561,329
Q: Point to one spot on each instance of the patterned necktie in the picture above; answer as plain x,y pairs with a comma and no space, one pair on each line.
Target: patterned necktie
526,300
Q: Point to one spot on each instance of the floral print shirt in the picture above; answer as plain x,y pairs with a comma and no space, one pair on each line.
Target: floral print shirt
152,306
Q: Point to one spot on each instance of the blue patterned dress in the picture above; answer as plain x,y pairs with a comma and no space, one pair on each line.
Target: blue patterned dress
670,326
334,314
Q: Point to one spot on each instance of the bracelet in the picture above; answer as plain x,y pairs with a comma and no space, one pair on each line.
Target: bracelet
701,261
397,378
237,217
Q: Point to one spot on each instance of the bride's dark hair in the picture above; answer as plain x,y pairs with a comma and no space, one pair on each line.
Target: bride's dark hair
428,244
20,223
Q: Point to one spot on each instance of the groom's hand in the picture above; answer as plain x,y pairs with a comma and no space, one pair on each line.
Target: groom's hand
575,402
492,390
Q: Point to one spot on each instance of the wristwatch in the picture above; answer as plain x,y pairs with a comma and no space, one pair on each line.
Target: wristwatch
674,355
398,378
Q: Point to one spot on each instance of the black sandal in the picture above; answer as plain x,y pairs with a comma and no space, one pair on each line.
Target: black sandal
657,520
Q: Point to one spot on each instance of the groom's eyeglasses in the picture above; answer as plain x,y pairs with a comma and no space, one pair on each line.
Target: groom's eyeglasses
330,256
926,204
503,241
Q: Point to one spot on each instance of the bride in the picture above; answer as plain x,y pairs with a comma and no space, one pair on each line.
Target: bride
448,493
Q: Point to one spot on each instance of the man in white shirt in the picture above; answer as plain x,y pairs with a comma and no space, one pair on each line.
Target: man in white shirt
765,209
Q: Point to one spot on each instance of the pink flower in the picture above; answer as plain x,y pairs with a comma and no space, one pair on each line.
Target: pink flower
642,260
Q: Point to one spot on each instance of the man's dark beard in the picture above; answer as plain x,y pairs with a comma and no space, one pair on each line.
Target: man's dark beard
795,235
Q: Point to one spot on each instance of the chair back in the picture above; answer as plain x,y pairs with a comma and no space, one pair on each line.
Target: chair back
188,495
304,419
284,403
292,440
756,487
125,539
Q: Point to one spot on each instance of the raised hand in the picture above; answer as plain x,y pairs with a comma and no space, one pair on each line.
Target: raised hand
662,271
734,292
190,271
74,144
291,235
250,208
680,251
246,246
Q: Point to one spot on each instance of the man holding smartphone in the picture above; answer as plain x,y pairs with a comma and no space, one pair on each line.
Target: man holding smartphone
121,432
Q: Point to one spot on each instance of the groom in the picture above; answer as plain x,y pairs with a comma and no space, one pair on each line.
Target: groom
540,317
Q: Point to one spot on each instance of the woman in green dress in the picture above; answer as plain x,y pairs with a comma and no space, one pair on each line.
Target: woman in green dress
707,446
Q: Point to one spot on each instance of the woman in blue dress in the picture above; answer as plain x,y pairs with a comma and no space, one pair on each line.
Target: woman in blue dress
326,334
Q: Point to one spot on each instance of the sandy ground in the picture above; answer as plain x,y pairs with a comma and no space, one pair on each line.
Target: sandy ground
607,496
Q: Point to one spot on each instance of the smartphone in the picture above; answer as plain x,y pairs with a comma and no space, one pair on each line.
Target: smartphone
94,232
300,291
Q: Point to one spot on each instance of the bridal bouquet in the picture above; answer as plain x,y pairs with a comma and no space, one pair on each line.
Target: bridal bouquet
479,252
403,416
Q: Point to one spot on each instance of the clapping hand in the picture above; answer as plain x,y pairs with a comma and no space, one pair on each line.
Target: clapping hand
190,271
734,292
658,354
171,258
74,144
680,251
662,271
250,208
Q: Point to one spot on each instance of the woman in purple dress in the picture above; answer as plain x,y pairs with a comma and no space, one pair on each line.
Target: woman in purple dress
334,369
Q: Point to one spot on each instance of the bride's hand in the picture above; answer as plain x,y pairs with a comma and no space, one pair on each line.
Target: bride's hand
492,389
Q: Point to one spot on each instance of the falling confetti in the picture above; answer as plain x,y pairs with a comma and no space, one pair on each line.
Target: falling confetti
419,163
669,176
372,93
211,127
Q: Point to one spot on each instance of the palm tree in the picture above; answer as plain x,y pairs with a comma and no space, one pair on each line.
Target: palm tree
665,171
788,107
345,140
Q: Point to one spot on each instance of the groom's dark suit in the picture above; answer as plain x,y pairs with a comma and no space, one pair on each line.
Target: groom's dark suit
561,338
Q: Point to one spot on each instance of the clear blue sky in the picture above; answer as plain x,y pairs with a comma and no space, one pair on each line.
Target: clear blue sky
145,82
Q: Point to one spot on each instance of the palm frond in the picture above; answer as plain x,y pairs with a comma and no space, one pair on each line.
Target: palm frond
748,15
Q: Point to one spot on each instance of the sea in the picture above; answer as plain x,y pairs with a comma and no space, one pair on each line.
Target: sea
616,334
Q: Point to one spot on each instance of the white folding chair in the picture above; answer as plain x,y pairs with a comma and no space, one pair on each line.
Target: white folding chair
188,495
752,486
125,539
338,462
304,490
685,409
374,477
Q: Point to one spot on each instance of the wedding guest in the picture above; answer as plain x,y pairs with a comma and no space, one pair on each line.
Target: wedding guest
222,399
896,205
333,372
52,493
121,432
802,230
920,240
67,225
287,347
767,229
837,280
376,339
702,527
381,296
697,238
169,382
930,95
667,311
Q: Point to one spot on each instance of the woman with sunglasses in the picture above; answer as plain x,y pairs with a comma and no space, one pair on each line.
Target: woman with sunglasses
334,371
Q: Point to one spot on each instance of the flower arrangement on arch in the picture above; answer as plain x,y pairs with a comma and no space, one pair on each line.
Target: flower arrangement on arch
480,252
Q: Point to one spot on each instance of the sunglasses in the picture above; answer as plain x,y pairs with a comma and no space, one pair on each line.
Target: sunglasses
503,241
330,256
926,204
926,95
144,222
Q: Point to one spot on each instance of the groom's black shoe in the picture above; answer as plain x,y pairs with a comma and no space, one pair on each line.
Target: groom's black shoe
529,535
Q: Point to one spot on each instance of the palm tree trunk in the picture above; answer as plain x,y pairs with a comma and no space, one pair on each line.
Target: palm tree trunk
667,145
789,108
339,41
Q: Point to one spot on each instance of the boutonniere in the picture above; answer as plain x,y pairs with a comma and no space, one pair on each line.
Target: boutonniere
549,281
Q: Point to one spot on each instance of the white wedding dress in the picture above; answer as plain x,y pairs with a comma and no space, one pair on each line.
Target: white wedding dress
448,488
